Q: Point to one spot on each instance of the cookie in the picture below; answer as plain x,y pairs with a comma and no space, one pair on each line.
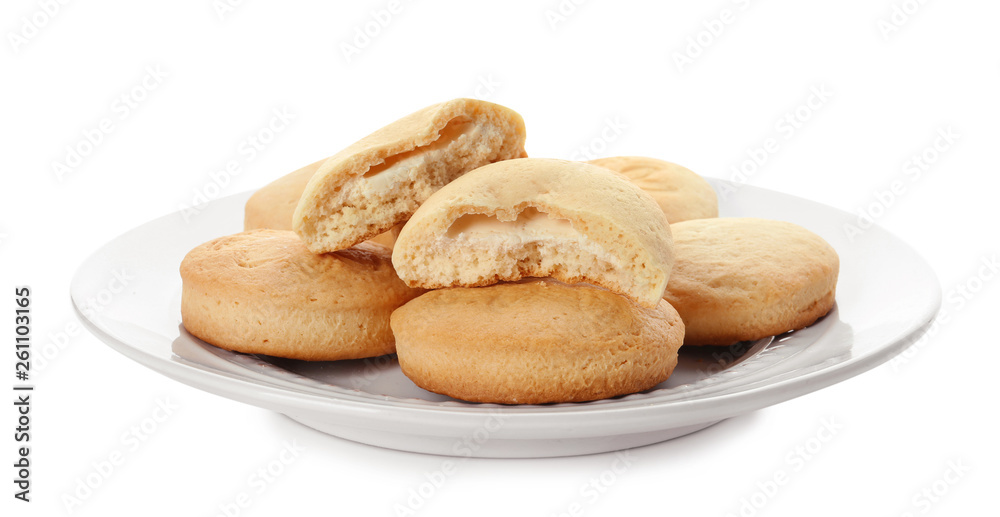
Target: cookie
535,342
534,217
738,279
380,181
681,194
264,292
274,204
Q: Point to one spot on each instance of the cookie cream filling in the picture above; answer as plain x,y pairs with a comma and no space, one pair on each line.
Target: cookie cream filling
530,226
396,169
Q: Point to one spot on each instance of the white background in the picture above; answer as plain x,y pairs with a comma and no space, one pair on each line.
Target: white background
892,91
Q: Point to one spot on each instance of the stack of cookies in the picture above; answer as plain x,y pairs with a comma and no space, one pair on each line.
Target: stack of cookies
496,277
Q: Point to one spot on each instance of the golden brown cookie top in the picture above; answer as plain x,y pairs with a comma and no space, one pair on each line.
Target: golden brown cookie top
279,265
681,194
748,260
538,306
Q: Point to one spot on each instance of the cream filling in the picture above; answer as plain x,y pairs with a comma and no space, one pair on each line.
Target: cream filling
396,169
530,226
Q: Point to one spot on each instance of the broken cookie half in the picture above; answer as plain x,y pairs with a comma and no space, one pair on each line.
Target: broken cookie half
382,179
529,217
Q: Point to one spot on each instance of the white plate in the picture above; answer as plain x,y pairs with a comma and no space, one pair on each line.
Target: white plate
886,296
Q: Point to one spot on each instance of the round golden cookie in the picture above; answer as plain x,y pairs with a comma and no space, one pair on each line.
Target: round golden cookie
738,279
538,217
263,292
273,205
681,194
535,342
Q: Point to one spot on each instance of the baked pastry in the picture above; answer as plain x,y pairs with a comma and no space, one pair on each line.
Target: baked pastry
681,194
534,342
380,180
273,205
263,292
738,279
538,218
